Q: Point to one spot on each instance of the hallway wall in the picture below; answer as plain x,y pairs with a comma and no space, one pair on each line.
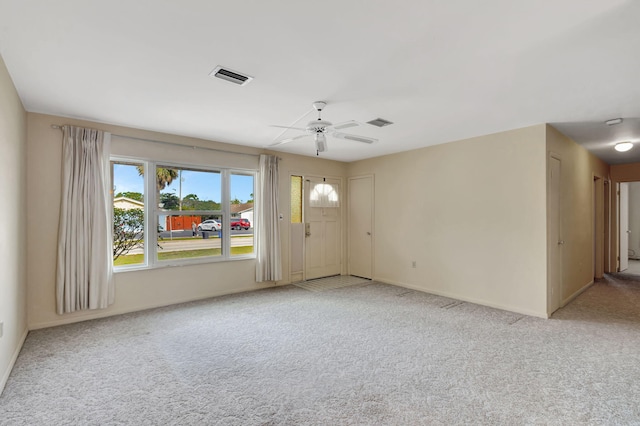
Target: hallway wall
579,167
13,254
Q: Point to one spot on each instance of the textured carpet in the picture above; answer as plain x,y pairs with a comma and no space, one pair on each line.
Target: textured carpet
363,354
330,283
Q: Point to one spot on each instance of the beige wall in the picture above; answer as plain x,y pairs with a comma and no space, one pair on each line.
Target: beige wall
13,288
472,214
136,290
578,169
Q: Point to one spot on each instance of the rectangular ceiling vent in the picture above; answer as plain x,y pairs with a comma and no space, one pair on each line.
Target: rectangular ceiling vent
379,122
232,76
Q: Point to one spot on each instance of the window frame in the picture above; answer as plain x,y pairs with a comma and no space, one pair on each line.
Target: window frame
152,211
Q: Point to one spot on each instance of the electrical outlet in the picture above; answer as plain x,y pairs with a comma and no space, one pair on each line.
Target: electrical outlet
413,263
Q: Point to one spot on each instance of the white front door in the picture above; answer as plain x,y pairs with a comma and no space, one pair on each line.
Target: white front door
322,231
361,226
624,226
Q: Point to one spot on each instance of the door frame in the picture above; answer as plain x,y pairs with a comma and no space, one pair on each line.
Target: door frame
621,253
598,225
607,226
372,213
552,241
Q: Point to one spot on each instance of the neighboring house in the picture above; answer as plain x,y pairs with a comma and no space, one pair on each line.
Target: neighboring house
127,203
243,210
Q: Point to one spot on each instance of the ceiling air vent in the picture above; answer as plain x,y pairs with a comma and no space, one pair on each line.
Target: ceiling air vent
232,76
379,122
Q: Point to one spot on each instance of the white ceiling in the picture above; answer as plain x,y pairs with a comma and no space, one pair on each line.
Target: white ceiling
440,70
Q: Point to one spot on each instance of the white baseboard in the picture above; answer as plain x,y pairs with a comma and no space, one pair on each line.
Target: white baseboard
577,293
465,299
5,376
98,313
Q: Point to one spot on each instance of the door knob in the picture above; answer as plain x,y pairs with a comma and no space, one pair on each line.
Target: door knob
368,233
561,242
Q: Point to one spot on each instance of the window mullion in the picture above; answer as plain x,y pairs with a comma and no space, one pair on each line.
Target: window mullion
151,214
226,215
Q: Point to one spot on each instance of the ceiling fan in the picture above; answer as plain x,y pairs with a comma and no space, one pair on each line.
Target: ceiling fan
320,128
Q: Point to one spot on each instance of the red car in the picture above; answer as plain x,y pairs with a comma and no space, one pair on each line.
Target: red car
239,223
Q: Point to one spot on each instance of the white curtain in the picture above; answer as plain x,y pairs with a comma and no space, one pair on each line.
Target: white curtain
269,257
84,275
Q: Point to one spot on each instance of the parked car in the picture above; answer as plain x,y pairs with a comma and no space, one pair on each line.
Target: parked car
209,225
239,223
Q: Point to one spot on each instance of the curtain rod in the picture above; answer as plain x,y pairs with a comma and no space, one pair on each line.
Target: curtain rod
194,147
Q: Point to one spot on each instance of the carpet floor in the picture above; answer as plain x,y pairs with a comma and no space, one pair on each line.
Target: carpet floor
330,283
367,353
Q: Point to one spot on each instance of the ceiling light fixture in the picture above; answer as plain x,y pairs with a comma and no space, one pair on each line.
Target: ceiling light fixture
613,122
623,146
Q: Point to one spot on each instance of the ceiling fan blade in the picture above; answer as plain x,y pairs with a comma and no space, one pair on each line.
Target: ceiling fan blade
356,138
287,127
288,140
345,125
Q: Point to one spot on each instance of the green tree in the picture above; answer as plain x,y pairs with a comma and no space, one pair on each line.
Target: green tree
133,195
128,230
170,201
190,201
235,201
164,176
207,205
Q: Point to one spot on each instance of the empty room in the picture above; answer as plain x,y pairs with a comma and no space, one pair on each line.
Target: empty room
319,213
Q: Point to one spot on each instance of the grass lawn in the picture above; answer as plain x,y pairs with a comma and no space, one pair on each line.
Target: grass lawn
211,235
136,259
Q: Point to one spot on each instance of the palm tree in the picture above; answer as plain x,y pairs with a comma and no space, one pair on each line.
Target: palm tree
164,176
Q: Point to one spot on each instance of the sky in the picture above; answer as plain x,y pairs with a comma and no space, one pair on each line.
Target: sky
206,185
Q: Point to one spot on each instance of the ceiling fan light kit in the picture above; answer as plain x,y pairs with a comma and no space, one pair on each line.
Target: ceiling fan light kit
320,128
321,143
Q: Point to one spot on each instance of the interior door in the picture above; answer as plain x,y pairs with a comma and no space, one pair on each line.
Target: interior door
361,226
322,232
624,226
555,242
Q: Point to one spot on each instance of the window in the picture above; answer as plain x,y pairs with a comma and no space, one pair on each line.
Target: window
128,213
324,195
189,213
296,199
241,214
192,214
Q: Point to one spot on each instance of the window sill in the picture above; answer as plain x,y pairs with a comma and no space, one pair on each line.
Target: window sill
169,264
